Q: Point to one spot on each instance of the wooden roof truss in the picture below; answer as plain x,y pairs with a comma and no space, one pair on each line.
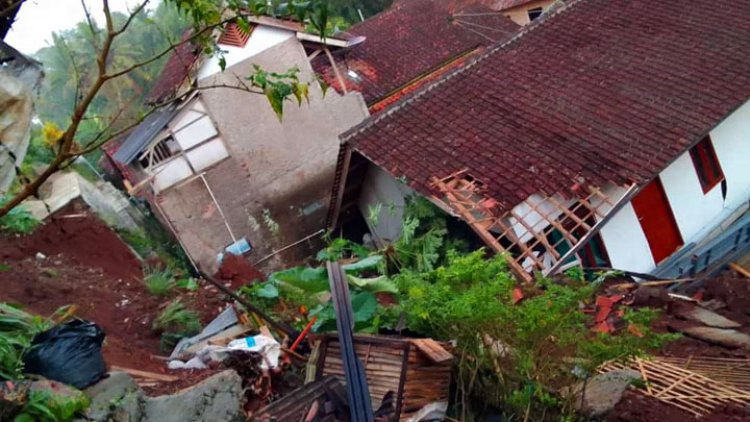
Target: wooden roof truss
545,236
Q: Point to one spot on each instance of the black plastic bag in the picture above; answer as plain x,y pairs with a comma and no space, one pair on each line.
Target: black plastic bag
70,353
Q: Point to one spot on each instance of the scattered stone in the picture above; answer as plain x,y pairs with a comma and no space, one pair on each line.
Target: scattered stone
116,398
50,272
218,398
713,304
602,392
40,256
721,336
704,316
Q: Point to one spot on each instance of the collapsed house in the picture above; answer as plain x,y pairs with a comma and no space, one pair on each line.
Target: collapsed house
603,134
218,166
222,171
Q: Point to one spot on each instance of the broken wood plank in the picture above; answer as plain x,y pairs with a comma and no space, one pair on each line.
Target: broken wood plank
433,350
741,270
145,374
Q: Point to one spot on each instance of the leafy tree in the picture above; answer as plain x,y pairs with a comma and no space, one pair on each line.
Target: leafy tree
350,9
99,71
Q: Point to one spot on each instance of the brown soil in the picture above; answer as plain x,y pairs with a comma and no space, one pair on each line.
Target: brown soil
81,239
87,265
730,289
637,407
238,271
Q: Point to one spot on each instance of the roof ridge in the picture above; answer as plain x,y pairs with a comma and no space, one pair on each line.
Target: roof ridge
371,120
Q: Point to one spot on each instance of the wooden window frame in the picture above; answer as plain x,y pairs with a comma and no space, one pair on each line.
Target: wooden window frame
706,164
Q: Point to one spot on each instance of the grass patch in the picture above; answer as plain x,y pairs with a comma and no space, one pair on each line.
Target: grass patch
159,283
176,318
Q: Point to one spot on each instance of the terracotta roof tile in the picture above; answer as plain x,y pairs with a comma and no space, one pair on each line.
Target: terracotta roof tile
175,71
411,39
599,90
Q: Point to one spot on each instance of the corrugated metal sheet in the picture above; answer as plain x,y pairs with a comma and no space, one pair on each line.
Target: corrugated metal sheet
142,135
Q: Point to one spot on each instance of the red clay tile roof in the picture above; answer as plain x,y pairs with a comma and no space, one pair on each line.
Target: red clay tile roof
175,71
600,90
412,38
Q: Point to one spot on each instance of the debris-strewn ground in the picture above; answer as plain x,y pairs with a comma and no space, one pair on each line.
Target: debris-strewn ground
727,295
86,264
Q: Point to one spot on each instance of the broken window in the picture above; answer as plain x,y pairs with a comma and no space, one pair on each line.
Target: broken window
190,145
163,150
534,13
706,164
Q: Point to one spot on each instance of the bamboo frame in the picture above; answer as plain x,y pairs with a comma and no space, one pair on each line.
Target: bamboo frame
526,243
669,380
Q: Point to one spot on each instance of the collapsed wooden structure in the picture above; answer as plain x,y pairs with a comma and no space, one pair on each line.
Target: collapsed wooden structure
542,233
697,386
403,375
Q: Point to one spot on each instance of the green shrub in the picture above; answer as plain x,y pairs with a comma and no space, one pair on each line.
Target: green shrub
18,220
159,283
175,318
45,406
17,330
513,355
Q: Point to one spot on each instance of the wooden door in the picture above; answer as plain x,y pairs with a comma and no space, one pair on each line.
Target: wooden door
657,221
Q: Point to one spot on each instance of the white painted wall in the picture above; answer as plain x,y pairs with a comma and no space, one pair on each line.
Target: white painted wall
261,38
381,188
732,144
626,244
697,214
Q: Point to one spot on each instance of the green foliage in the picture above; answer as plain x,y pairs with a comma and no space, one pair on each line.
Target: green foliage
279,87
309,287
190,284
18,220
17,330
153,241
422,242
70,58
335,25
364,307
340,248
45,406
514,354
176,318
159,283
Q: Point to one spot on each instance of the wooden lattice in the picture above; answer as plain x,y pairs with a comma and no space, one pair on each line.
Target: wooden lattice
735,372
527,237
689,390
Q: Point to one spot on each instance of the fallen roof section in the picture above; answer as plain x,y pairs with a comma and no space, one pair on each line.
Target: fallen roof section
594,92
142,135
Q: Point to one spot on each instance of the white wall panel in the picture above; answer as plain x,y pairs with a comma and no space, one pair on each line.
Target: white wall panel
170,173
207,154
195,133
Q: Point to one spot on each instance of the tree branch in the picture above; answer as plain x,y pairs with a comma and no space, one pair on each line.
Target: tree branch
8,10
172,47
132,16
92,27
